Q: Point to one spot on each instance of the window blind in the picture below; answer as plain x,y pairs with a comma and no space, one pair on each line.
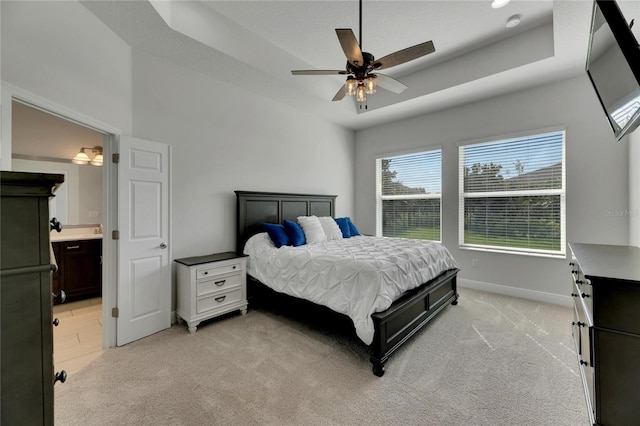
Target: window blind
512,194
408,189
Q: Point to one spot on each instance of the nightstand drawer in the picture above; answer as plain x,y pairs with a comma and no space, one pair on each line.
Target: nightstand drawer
218,283
211,270
204,304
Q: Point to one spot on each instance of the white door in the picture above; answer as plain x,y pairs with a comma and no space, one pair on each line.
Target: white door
144,271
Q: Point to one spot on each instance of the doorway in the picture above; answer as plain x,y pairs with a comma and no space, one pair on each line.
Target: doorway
125,288
43,141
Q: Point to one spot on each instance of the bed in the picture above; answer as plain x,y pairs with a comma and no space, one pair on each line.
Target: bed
390,328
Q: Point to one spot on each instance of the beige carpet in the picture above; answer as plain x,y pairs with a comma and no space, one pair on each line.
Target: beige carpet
490,360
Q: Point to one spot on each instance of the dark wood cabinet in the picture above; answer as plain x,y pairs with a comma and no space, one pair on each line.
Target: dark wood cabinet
26,346
79,268
606,329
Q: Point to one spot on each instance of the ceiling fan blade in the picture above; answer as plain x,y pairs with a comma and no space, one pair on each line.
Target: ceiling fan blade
340,94
389,83
350,46
404,55
318,72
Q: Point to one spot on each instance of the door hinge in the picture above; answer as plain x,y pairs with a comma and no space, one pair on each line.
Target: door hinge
115,157
115,234
115,312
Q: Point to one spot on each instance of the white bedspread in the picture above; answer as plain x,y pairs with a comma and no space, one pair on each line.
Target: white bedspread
356,276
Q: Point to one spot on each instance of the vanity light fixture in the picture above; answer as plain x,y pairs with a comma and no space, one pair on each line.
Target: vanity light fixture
82,157
97,160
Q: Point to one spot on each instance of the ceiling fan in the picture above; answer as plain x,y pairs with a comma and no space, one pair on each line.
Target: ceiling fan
362,67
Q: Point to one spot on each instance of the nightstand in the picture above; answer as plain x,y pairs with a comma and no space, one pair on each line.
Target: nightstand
209,286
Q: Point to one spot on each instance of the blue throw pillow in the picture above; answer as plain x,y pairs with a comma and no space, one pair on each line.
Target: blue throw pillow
343,224
277,233
296,235
352,228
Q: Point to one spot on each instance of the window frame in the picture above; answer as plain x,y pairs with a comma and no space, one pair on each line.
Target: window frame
381,198
562,193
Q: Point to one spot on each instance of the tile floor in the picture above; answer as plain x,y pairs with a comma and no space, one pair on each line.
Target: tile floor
77,340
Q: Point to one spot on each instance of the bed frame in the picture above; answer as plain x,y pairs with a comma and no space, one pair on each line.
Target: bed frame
394,326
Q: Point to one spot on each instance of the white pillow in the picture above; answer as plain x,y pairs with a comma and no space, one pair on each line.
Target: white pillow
330,228
256,242
312,229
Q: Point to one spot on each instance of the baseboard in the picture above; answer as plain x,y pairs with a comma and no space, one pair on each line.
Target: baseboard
539,296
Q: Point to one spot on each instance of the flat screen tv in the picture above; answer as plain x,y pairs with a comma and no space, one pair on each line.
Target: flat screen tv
613,65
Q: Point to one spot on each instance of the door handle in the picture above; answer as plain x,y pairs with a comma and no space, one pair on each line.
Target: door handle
163,245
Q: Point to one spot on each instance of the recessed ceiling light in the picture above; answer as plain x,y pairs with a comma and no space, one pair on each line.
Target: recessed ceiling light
513,21
496,4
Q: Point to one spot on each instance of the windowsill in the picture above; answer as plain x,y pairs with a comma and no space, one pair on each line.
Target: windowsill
519,253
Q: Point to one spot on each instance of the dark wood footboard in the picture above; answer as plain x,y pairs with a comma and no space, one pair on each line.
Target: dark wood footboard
392,328
409,314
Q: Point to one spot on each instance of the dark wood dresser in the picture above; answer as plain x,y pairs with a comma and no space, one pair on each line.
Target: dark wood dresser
27,377
606,329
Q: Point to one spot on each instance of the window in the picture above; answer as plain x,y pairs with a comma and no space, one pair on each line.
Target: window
512,195
408,193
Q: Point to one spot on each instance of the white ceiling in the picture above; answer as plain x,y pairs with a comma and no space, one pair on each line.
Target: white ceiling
255,44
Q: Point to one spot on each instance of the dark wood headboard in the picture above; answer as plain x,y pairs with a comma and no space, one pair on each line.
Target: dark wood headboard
255,208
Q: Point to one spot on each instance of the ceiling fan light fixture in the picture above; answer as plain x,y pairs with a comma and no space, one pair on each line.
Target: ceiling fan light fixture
497,4
360,93
370,84
360,65
350,87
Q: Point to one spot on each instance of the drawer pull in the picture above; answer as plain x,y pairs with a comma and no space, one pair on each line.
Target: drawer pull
583,362
584,295
574,295
56,321
571,264
234,266
206,272
573,271
579,282
220,283
55,224
59,298
221,298
72,247
61,377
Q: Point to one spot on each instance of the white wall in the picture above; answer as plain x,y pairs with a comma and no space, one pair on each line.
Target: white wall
62,53
222,137
597,176
225,139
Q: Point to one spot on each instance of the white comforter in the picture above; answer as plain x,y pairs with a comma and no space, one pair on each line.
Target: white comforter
356,276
